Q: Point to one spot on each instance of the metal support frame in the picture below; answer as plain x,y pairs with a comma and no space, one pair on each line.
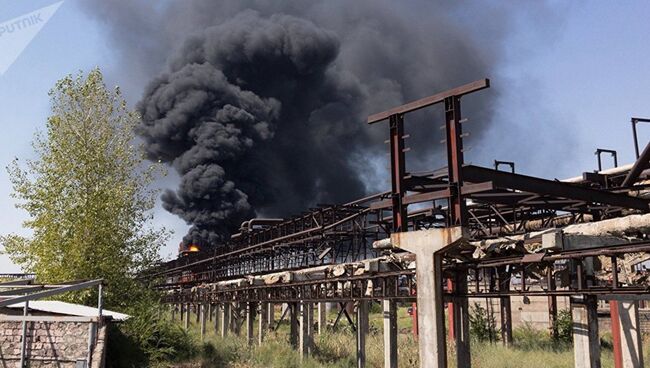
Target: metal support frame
635,121
397,171
498,164
502,202
23,291
600,151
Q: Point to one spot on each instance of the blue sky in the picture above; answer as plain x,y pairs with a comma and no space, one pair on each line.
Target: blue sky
590,76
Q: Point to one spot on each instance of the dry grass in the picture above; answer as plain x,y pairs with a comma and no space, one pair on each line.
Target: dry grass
337,349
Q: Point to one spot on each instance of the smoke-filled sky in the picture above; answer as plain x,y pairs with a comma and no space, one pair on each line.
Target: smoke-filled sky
259,107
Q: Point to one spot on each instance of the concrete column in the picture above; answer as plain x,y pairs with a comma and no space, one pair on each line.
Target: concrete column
187,316
461,322
430,304
225,319
210,312
322,317
202,319
251,307
196,312
306,329
506,321
586,343
362,331
390,333
270,319
217,314
262,324
174,312
293,324
626,332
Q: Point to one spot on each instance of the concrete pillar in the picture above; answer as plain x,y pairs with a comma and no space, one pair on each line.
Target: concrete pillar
506,321
174,306
225,319
196,312
187,316
390,333
626,333
322,317
251,307
306,329
362,331
586,343
210,312
262,324
270,319
217,314
430,304
293,324
202,319
461,322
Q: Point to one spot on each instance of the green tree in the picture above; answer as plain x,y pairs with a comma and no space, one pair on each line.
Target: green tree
87,193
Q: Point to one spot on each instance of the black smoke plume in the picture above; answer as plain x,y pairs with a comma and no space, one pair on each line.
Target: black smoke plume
261,107
253,114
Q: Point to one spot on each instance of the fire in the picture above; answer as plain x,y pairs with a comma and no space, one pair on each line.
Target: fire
193,248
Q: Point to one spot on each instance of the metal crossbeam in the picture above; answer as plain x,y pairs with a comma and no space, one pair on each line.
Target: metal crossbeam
532,184
431,100
51,292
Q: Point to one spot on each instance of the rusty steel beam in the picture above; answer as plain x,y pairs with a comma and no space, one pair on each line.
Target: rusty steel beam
532,184
455,161
431,100
397,172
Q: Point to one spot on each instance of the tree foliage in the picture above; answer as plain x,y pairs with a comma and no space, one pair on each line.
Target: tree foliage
87,193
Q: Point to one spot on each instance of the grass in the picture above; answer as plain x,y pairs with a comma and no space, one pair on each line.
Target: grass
337,349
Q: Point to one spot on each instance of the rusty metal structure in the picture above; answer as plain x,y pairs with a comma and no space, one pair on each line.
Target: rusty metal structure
487,202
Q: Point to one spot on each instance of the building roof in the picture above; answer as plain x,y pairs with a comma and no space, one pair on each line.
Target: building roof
70,309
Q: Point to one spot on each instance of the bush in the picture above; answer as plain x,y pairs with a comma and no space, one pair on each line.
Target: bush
564,325
482,326
529,338
148,339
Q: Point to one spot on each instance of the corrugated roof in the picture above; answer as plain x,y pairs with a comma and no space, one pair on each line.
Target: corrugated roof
54,306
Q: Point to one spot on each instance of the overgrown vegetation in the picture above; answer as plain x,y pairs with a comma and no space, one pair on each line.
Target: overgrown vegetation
482,325
336,349
148,339
87,195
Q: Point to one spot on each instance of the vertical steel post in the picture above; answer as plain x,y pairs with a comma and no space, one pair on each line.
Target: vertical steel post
636,139
202,320
390,333
505,307
397,172
451,331
293,324
362,330
616,333
23,338
455,161
100,302
251,307
461,322
552,303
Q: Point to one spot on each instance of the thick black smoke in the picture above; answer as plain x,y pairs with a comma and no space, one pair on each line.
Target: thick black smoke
261,106
253,114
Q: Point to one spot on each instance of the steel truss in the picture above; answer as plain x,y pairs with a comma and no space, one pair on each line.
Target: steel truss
486,201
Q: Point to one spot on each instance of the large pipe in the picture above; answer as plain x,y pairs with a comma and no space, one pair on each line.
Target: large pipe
640,165
248,225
